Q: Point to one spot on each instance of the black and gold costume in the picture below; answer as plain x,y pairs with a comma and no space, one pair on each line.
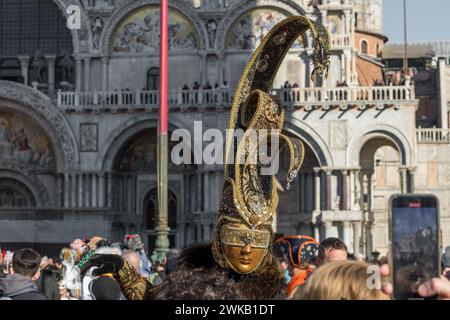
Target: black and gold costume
250,198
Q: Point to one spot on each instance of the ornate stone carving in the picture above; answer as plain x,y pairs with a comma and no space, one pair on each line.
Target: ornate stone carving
140,37
89,137
248,31
97,28
38,64
46,112
211,26
338,134
239,8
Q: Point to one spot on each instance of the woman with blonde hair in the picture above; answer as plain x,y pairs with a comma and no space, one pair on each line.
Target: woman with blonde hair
342,280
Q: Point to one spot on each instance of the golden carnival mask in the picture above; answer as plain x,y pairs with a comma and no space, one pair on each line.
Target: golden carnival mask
243,234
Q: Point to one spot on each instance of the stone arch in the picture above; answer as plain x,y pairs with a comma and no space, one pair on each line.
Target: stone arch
238,9
36,189
129,6
311,138
392,134
39,107
111,147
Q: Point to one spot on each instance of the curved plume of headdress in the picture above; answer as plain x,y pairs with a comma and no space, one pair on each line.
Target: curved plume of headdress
249,197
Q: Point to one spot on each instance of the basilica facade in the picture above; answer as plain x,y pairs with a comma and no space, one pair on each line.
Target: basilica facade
79,107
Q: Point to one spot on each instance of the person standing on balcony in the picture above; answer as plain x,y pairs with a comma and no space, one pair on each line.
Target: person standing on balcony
216,89
196,87
207,88
287,86
225,97
185,94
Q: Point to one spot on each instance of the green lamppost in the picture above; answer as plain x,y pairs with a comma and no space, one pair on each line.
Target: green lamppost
162,228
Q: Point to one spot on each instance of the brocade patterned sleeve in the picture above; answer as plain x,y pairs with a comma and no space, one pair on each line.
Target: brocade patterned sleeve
132,284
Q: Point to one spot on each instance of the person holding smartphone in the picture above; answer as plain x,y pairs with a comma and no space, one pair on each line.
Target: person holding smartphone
436,287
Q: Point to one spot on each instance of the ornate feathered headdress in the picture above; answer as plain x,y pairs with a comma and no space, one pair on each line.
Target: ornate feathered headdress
250,198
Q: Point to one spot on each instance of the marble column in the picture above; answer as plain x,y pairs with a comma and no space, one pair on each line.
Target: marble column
87,74
346,193
220,75
352,190
412,187
24,67
105,62
66,190
347,233
317,231
206,192
368,234
73,191
199,237
94,194
348,66
329,189
60,191
204,68
198,206
109,190
78,74
51,59
80,190
206,233
317,188
442,70
356,238
347,21
328,229
101,190
403,179
192,193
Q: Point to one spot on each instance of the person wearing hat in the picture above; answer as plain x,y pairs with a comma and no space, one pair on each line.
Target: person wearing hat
134,242
302,252
239,263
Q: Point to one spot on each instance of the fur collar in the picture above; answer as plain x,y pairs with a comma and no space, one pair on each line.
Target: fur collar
198,276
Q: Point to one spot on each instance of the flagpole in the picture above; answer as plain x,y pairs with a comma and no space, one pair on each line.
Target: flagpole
162,228
405,48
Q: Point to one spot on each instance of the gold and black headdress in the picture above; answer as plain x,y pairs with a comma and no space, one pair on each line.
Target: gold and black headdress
243,234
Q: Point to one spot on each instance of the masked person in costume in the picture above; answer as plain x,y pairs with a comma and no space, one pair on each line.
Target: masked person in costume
302,252
239,263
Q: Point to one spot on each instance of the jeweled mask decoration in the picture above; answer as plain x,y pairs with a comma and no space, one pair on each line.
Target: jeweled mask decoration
243,234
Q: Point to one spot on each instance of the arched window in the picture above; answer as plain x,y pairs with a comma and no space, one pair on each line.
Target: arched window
153,78
14,194
364,47
379,55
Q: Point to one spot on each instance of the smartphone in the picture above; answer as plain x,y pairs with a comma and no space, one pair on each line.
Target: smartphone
414,236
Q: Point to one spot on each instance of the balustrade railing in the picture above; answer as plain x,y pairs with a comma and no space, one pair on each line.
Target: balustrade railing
432,135
184,99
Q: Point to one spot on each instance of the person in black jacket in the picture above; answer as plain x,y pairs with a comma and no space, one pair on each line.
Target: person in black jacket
48,284
20,284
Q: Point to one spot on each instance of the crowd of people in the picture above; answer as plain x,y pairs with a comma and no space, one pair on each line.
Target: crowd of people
26,275
309,269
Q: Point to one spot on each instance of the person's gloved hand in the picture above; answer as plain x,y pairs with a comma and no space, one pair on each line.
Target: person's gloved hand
105,263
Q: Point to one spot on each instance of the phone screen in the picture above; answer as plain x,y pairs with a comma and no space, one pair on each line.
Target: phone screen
415,243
